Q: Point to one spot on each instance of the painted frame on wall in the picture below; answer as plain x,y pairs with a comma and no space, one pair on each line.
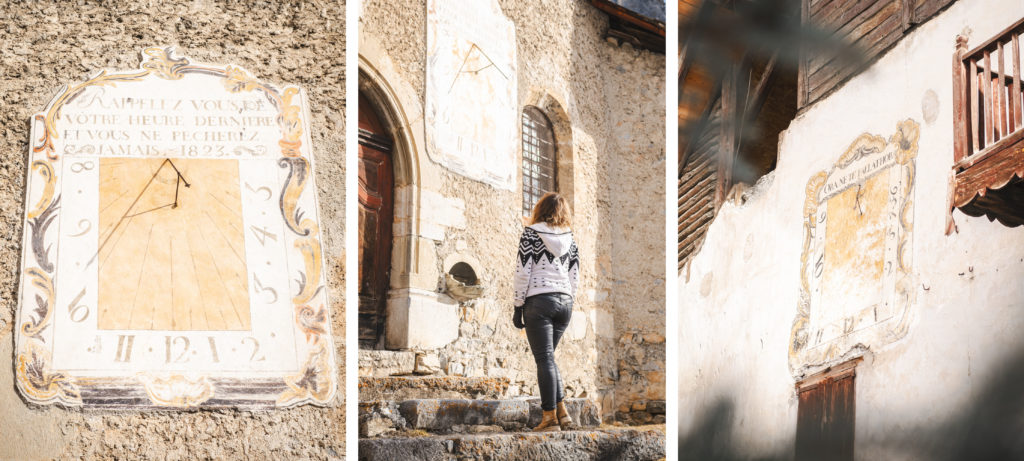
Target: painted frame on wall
248,138
855,268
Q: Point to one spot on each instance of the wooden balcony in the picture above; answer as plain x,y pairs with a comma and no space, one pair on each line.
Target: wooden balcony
988,140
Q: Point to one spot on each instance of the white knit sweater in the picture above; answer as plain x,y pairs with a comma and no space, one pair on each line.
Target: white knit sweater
548,262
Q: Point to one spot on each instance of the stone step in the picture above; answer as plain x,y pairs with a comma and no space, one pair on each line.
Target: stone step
438,415
399,388
635,443
463,415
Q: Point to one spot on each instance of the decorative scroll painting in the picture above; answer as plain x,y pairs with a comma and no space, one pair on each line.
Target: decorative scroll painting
472,110
172,253
856,279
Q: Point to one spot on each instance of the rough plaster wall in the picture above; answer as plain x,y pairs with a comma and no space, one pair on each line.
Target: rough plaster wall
635,86
561,51
738,299
44,45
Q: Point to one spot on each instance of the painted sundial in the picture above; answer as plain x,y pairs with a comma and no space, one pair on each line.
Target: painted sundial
855,280
172,254
472,117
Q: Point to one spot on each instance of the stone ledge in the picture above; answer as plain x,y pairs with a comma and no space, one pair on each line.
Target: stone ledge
646,443
399,388
438,415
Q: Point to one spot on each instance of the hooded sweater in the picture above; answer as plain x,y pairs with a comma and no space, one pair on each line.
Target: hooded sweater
548,262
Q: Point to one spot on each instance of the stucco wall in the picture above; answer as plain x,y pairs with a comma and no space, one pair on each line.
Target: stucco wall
739,296
47,44
613,98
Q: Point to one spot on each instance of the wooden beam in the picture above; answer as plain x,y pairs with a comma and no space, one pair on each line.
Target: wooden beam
729,125
757,99
802,90
1015,95
986,90
972,100
960,100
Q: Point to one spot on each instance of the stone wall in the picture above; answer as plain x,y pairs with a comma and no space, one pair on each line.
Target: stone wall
607,104
49,44
739,296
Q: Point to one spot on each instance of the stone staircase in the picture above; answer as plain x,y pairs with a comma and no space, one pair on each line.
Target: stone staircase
455,418
640,443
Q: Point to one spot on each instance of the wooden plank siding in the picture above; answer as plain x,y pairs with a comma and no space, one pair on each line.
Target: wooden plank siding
869,26
697,179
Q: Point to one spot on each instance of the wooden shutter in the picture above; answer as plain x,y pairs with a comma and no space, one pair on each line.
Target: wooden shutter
826,416
870,26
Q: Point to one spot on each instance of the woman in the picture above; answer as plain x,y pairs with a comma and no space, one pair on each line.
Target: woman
545,285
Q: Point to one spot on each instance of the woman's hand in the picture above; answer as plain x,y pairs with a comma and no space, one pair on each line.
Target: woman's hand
517,318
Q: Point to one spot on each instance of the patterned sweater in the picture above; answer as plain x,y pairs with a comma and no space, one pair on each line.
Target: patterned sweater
548,263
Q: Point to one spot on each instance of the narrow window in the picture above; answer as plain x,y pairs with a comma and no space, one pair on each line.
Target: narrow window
826,415
539,168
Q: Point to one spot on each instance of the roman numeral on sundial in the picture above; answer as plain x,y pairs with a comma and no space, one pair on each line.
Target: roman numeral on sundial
124,348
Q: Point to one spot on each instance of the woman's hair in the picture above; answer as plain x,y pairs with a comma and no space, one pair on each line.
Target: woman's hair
553,209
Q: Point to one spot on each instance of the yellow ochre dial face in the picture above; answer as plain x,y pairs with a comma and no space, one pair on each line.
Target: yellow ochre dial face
171,245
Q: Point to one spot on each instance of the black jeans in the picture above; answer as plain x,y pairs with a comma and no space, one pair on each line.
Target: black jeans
547,316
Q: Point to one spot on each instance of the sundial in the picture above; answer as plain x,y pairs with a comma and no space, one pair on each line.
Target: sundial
472,93
171,253
856,279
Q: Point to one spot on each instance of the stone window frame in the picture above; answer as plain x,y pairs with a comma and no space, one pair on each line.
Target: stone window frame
539,166
553,109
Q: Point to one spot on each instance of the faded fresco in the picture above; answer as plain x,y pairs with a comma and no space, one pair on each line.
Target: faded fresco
855,284
472,92
172,256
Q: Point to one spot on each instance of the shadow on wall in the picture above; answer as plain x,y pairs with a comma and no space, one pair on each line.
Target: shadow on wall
990,428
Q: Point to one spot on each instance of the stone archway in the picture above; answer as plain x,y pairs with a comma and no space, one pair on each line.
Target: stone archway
416,315
554,108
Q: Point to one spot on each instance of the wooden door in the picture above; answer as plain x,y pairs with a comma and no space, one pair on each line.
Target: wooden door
376,214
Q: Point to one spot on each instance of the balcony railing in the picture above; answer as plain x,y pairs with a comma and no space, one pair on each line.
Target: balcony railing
988,129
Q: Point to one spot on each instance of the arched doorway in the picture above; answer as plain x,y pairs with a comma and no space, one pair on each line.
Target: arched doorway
376,215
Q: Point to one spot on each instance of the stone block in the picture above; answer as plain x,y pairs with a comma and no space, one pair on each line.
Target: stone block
379,364
577,326
420,319
427,364
378,418
440,213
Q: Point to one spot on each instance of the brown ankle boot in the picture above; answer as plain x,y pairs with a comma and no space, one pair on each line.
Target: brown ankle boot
564,420
548,423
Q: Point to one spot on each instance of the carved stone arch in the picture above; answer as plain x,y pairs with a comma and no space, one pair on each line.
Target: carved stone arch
417,316
554,108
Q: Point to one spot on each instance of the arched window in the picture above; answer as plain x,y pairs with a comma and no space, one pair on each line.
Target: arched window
539,167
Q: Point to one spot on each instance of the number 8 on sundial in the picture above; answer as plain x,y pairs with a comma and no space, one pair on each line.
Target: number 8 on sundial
172,253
